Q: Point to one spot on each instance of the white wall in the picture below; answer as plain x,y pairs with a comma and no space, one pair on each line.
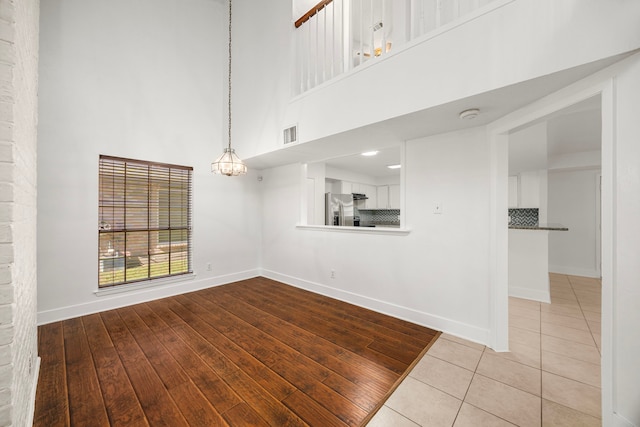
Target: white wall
528,265
143,80
437,275
572,202
315,205
528,149
482,55
18,119
347,175
621,335
262,85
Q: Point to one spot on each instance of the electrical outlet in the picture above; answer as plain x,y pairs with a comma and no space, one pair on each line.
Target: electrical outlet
208,266
333,274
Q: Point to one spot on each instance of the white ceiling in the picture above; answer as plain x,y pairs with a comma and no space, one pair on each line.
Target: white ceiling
572,130
432,121
374,166
575,129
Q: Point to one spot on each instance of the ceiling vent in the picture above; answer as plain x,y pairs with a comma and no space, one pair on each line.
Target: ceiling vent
291,135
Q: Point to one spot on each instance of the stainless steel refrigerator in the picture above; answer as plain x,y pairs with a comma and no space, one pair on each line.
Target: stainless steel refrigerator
339,209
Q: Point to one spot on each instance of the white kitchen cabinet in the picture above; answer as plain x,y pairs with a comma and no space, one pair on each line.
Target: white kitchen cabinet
524,190
529,191
383,197
371,192
513,191
346,187
394,196
389,196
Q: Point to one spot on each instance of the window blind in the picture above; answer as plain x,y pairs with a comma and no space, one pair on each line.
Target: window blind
144,223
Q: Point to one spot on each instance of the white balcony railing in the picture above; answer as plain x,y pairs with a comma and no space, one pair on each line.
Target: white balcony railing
338,35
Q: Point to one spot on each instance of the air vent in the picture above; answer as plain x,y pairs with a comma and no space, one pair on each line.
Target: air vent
291,135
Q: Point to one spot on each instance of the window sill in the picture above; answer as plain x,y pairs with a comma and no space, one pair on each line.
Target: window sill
363,230
117,289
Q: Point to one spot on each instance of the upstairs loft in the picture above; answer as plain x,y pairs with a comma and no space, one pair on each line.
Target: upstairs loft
337,36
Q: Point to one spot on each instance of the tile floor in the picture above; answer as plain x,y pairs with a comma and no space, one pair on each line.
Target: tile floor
551,376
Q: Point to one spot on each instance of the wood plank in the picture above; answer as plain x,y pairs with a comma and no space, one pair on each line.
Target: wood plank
261,345
119,396
373,378
385,341
419,332
243,415
332,332
158,405
262,375
52,406
322,351
214,358
298,316
356,393
86,406
169,371
191,402
217,392
342,313
264,404
311,412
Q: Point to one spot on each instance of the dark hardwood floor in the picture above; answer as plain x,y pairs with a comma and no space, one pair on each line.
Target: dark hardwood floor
251,353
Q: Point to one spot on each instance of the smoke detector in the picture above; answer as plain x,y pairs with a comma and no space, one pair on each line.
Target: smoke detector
469,114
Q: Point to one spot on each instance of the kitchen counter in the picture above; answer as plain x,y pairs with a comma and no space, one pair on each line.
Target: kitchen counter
380,224
547,227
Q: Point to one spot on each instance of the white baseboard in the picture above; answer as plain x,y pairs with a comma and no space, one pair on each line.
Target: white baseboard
110,302
619,421
453,327
572,271
531,294
32,396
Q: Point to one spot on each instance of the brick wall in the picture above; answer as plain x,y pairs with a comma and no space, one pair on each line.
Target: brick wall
18,122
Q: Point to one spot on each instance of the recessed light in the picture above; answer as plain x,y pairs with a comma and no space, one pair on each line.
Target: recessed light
369,153
469,114
394,166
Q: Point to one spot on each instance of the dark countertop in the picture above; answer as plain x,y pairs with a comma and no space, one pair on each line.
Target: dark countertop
549,227
380,224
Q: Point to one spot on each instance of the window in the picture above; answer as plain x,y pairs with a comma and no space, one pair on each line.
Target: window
144,221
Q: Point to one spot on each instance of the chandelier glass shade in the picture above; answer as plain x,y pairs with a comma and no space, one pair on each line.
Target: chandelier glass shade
229,164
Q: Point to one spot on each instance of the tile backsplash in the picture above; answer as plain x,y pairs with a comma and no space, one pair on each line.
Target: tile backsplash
523,217
379,216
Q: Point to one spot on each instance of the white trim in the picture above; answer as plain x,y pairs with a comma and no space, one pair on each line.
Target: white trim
139,296
531,294
363,230
499,242
608,242
32,394
453,327
130,287
573,271
619,421
598,260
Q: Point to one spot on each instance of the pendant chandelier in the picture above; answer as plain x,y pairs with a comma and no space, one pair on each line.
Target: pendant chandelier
229,163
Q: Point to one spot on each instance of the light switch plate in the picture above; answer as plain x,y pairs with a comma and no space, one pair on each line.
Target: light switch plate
437,208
